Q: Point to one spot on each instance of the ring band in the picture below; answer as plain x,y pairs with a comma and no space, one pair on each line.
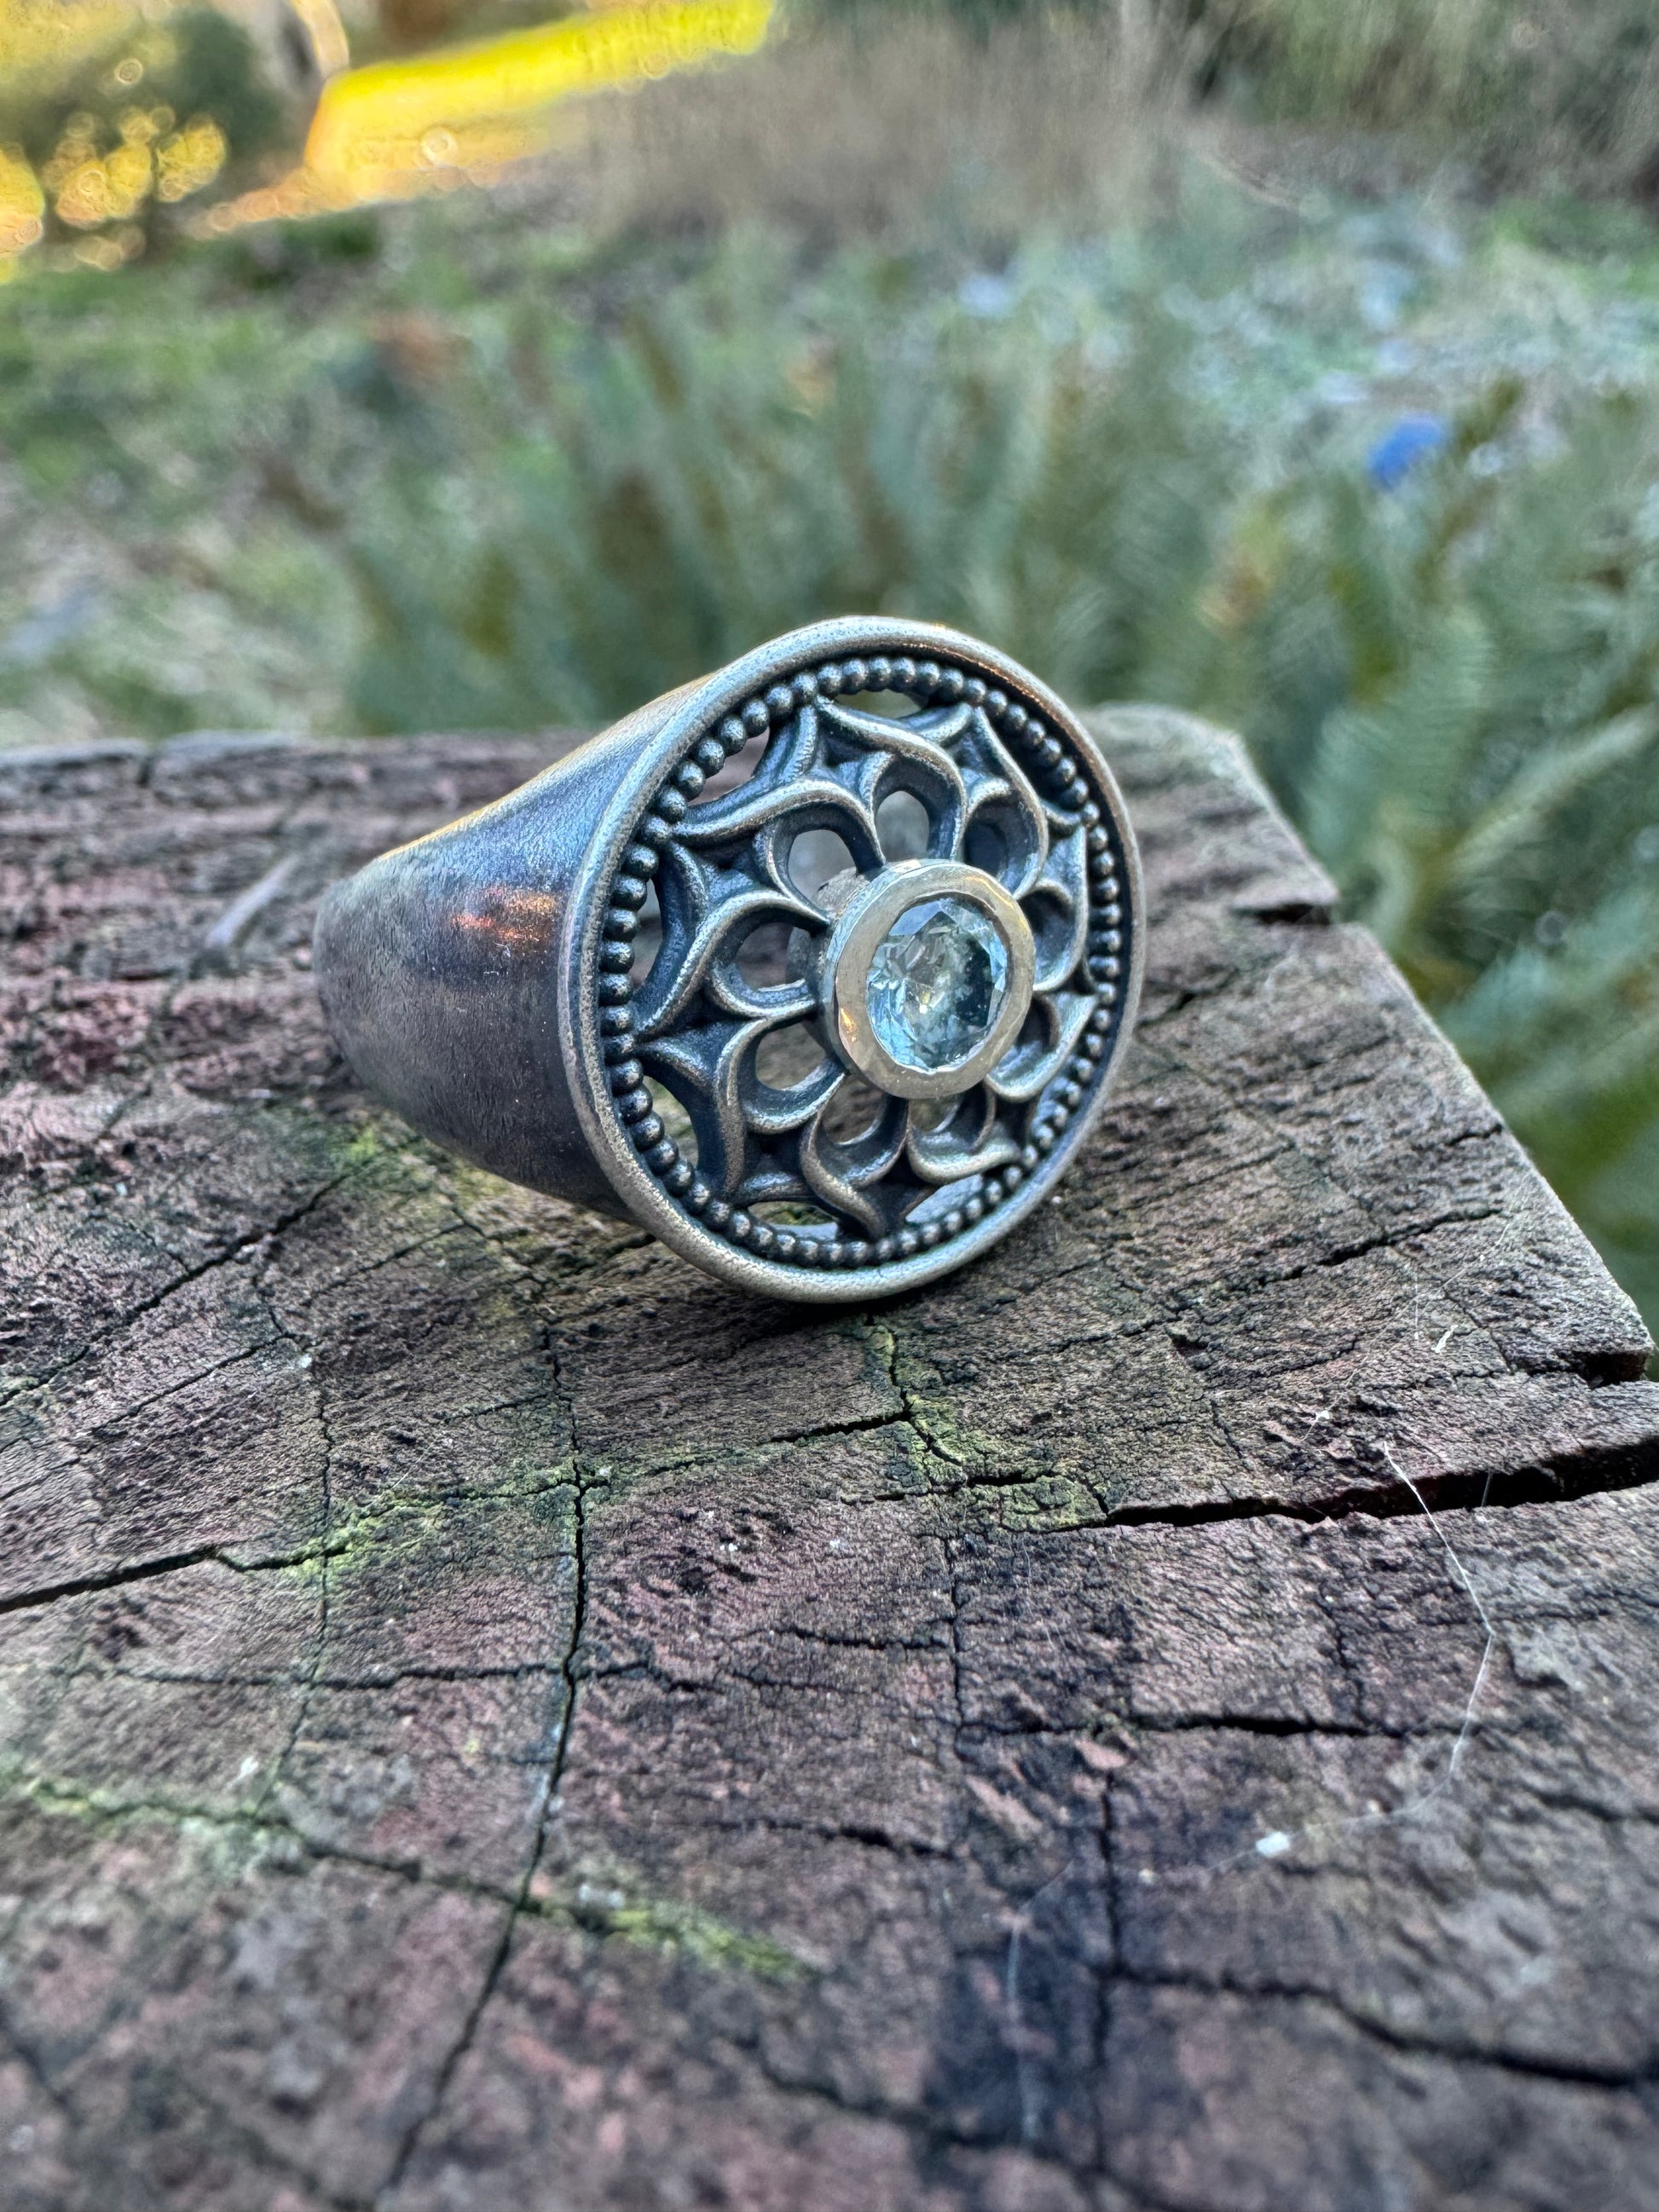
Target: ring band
819,968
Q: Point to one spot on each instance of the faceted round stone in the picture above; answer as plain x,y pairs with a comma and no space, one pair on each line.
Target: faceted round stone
936,983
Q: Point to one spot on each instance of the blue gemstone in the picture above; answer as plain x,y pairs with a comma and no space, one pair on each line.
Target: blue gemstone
936,984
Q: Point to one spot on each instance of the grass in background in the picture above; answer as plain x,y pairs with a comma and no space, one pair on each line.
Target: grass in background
1518,94
532,461
1563,90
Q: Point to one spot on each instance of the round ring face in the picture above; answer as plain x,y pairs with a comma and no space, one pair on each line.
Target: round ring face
861,958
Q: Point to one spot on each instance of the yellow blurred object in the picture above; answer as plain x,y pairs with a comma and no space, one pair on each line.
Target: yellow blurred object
57,34
131,177
190,159
108,190
23,205
385,131
379,130
83,200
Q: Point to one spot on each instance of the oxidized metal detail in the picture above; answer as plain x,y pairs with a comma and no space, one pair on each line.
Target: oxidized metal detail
819,967
1012,822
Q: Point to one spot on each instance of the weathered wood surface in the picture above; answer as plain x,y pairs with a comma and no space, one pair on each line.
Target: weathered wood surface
492,1719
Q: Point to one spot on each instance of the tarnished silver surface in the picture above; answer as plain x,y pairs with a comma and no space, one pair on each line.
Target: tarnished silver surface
639,982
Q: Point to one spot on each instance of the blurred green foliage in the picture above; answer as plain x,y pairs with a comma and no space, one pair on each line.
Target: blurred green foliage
648,503
471,475
1516,92
1513,89
1456,691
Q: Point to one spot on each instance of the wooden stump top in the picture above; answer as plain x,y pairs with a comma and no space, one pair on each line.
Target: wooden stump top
493,1721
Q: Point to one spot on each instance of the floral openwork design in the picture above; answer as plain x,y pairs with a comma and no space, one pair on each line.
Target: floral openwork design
755,1011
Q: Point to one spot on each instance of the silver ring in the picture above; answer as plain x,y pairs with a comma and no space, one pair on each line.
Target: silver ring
820,968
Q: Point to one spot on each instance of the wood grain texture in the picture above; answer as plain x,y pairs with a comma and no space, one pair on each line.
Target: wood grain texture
492,1721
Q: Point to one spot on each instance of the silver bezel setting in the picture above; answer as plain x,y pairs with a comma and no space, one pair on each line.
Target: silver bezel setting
851,948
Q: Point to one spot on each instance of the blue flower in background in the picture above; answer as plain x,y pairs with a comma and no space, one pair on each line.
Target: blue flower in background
986,294
1413,439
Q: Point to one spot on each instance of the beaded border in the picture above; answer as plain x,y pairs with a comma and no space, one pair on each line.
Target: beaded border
1056,775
